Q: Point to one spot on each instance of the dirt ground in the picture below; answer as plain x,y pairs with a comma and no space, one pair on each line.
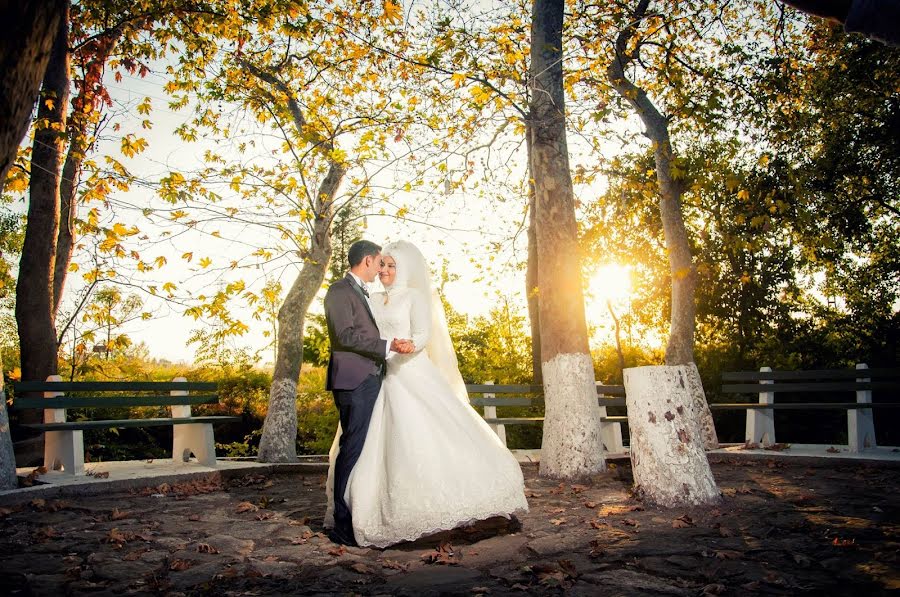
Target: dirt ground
782,528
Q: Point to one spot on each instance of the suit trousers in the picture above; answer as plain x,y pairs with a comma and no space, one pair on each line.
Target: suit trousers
355,407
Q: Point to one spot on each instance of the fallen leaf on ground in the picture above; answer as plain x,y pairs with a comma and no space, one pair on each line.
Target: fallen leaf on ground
617,509
337,551
444,554
832,450
393,565
178,565
246,507
591,505
630,522
579,488
118,514
838,542
597,549
713,589
557,521
206,548
682,522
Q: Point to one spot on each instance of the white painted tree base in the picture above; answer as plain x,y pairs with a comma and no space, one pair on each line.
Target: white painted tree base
667,456
571,447
701,407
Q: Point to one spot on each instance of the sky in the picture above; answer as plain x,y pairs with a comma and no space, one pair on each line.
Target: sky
451,231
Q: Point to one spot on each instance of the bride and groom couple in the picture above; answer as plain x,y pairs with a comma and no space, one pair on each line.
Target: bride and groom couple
410,457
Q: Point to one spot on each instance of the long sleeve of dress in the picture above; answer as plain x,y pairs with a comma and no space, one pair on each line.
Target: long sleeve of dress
419,319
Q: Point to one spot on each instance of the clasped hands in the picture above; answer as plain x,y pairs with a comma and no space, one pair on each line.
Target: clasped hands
402,346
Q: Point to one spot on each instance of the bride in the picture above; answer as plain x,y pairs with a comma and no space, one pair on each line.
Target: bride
429,463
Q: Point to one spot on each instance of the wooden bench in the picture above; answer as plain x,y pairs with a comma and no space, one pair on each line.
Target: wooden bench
490,396
64,441
760,425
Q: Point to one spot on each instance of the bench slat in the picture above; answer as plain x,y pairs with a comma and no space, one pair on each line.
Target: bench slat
804,405
112,401
514,421
511,401
812,374
112,386
532,389
825,386
123,423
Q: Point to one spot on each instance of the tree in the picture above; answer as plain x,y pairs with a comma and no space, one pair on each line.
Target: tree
35,313
24,54
571,445
308,76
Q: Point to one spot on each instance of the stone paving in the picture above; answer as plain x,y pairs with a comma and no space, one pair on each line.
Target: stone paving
784,527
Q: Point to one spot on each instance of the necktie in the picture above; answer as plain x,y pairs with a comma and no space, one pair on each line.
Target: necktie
365,291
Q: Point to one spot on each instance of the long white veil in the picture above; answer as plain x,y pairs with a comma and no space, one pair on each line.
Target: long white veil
412,272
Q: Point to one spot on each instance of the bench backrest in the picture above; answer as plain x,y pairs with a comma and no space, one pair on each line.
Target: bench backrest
532,395
815,380
91,393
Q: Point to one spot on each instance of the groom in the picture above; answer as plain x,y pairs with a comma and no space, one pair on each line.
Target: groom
355,368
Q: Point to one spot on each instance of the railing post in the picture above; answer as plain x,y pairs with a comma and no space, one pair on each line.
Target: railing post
861,421
761,421
196,438
62,449
490,412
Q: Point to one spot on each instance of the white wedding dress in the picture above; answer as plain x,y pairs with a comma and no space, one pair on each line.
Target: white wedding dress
430,462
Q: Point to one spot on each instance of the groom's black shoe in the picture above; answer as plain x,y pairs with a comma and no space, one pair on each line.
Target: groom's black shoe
342,538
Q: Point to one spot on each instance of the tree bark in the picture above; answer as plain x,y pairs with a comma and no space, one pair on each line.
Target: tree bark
34,290
7,456
279,434
571,445
84,107
531,275
29,29
667,458
682,322
680,347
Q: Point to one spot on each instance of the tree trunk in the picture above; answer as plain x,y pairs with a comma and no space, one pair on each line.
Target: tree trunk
279,434
667,458
84,109
571,445
682,322
29,30
34,290
531,275
7,457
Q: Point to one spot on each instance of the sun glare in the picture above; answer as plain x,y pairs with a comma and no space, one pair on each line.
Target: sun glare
612,283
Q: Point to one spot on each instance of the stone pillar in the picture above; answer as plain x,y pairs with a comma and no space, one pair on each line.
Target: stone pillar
861,421
761,421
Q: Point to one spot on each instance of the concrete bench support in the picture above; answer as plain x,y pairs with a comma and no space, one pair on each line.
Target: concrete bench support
861,421
761,421
62,449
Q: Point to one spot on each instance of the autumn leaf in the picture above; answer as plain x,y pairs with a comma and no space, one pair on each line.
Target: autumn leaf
247,507
178,565
728,554
361,568
393,565
682,522
206,548
393,13
591,505
118,514
557,521
337,551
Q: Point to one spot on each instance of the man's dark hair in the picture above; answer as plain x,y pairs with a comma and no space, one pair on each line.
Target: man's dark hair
360,250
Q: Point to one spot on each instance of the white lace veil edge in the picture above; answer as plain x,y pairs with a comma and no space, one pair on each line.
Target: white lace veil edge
412,272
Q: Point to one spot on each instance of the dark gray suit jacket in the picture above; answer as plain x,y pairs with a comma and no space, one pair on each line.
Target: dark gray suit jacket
357,349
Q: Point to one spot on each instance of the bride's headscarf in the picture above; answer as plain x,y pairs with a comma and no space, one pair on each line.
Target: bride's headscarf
412,272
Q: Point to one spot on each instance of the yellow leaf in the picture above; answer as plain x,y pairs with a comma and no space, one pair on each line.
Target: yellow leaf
458,79
205,262
393,13
73,267
743,195
49,103
187,256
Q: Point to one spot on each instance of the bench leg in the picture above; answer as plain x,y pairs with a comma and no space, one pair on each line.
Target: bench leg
196,438
760,427
611,436
66,449
490,412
